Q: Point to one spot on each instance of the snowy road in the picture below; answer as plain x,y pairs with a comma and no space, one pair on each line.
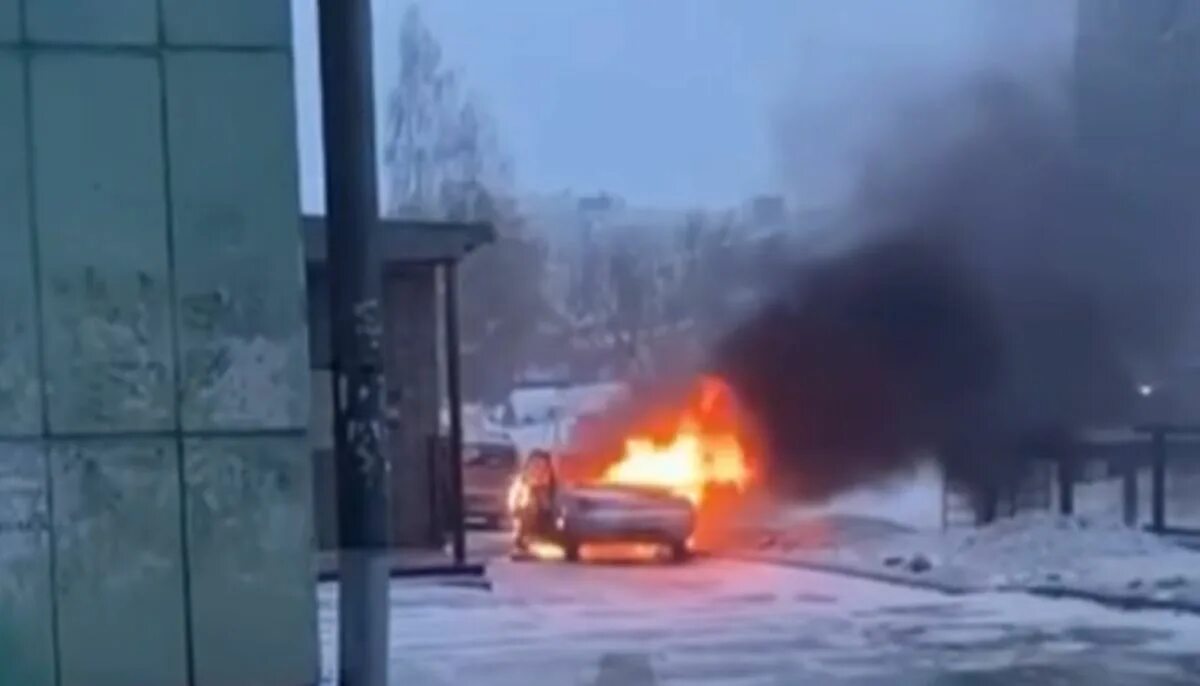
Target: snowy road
726,623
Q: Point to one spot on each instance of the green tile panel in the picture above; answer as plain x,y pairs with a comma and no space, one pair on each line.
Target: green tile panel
250,537
119,562
239,268
10,21
20,395
26,638
93,22
101,218
235,23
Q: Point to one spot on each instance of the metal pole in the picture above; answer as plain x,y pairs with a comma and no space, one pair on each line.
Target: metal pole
1158,481
358,389
1066,485
1129,492
454,398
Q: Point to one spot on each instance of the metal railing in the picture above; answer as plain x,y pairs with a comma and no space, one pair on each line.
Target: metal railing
1153,449
1114,473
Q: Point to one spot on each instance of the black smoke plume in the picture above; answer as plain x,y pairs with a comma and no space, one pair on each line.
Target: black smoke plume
997,293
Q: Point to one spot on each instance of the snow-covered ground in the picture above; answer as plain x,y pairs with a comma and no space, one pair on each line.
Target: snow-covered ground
724,623
894,530
911,499
1031,551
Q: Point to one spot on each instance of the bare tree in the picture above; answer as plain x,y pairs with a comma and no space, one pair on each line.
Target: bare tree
444,162
441,152
630,292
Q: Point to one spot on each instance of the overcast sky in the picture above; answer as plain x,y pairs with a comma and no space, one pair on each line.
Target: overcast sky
684,103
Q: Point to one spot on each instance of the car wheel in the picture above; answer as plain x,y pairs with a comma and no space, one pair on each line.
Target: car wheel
571,551
680,551
520,545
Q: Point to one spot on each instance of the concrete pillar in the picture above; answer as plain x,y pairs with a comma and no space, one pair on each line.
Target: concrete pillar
155,498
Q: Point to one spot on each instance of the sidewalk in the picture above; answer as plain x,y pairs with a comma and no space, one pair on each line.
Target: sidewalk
482,546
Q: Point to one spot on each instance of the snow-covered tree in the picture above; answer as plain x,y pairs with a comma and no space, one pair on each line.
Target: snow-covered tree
440,148
443,161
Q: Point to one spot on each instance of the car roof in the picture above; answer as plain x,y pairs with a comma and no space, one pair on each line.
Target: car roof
624,491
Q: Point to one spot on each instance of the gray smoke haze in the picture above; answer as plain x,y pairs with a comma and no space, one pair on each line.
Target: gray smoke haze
858,60
996,293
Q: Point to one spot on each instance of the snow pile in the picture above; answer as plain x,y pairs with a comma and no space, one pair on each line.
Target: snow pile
1041,547
1033,550
592,398
535,404
477,426
550,436
543,417
912,499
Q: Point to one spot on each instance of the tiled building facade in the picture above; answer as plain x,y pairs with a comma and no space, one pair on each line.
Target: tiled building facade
155,497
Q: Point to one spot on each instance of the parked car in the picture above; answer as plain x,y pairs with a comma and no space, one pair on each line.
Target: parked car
544,509
488,471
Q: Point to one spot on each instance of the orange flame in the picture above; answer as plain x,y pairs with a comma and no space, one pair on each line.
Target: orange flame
705,451
545,550
613,551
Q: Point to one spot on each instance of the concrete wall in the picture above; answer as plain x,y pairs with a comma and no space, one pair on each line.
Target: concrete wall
155,480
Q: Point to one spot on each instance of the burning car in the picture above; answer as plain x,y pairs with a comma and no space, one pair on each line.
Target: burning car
656,488
548,512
